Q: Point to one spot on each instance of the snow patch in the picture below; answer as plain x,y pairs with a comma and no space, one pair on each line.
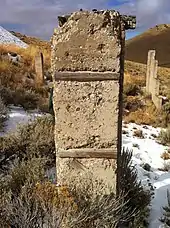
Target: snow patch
7,38
149,151
18,116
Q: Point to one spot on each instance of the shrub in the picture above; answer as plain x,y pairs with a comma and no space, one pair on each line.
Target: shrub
6,95
131,89
36,137
137,197
165,114
28,99
3,112
132,103
28,200
166,215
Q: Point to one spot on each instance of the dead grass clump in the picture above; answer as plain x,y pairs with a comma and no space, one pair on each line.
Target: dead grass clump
28,99
165,155
165,115
139,134
134,77
147,115
131,89
132,103
164,136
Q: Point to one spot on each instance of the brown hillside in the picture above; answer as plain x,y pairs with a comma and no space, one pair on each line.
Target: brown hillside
157,38
33,40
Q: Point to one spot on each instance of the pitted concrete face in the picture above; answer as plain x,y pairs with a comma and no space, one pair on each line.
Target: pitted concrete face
88,41
86,114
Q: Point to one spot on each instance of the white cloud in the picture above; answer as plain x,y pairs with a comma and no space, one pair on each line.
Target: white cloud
40,16
148,12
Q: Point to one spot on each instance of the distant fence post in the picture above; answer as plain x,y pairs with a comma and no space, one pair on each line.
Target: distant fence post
152,81
39,65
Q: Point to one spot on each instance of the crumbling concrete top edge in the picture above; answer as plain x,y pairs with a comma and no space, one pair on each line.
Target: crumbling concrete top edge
128,20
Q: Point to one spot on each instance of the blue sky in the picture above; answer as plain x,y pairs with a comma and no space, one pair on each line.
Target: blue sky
39,17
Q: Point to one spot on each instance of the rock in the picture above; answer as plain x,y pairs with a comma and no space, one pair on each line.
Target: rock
14,57
146,167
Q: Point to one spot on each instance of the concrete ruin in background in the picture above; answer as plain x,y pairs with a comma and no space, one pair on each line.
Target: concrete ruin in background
152,81
39,72
87,68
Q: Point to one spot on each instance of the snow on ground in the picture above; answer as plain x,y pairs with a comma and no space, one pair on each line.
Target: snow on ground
7,38
18,116
145,150
148,150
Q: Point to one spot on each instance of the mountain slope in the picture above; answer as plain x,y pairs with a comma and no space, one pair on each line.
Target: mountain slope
32,40
8,38
157,38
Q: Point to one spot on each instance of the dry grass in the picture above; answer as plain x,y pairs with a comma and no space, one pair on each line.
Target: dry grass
164,136
134,74
27,54
138,103
166,155
133,103
18,80
138,133
147,115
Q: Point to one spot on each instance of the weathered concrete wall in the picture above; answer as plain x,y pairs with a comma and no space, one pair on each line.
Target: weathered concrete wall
83,43
152,81
39,76
87,112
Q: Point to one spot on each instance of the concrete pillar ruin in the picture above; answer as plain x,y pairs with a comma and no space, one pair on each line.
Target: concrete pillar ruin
152,81
87,68
39,72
